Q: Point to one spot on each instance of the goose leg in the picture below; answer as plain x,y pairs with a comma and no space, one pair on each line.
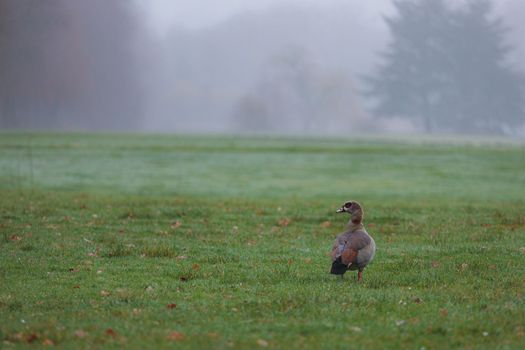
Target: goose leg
360,276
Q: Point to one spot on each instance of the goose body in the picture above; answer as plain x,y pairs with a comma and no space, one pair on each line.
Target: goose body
353,249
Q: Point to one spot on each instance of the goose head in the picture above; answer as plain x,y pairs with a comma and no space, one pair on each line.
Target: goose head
354,209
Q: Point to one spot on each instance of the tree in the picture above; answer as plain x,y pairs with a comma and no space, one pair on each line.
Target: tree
446,69
68,64
296,95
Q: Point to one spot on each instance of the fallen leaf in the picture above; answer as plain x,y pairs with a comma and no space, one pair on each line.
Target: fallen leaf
171,306
399,323
284,222
74,269
435,264
31,338
105,293
326,224
443,312
418,300
76,286
196,267
183,279
111,332
414,320
464,266
262,342
15,238
149,289
176,224
175,336
48,342
80,333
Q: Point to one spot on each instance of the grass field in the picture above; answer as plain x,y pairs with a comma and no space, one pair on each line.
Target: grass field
216,242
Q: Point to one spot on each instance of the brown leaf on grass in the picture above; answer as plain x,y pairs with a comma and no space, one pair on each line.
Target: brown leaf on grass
31,337
105,293
284,222
183,279
418,300
176,224
196,267
71,269
47,342
80,333
435,264
326,224
443,312
414,320
110,332
171,306
463,266
76,286
262,342
15,238
175,336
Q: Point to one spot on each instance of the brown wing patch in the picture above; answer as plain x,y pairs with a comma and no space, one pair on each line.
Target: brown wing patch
349,256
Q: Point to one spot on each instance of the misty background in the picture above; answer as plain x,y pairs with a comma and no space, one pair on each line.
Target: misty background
263,66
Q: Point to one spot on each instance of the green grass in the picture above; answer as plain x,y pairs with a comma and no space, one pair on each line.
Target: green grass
101,234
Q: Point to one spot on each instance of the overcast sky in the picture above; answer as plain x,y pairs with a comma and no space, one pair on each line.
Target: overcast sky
196,14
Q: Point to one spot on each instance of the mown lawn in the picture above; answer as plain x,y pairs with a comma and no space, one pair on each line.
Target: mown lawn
215,242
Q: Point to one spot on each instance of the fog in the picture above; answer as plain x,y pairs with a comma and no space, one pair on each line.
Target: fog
336,67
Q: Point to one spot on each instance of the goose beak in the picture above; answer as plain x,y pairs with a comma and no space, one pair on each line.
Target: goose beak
340,210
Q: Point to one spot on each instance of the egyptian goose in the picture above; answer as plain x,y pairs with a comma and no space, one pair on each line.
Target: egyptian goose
354,248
